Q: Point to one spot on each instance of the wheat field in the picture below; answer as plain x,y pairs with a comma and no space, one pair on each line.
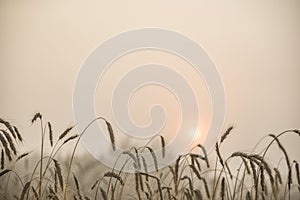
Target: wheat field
195,175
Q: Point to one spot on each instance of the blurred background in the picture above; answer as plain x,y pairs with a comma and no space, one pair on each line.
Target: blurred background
255,45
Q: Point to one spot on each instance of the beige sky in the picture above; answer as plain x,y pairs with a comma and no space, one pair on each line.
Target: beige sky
255,46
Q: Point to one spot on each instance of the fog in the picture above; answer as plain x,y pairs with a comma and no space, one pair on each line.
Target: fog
255,45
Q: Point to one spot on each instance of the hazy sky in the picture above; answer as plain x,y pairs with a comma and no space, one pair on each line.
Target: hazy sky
255,45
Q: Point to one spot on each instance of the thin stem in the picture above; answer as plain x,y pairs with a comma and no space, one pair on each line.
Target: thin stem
215,176
51,157
73,153
235,184
242,185
277,136
41,165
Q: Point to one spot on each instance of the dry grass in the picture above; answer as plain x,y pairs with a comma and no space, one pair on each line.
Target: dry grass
190,177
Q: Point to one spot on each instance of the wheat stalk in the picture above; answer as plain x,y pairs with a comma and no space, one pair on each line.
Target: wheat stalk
168,191
195,171
194,160
95,184
2,159
190,183
227,132
5,145
10,142
59,174
25,189
8,126
136,175
131,155
50,134
145,166
262,179
198,195
163,144
52,194
35,193
111,135
187,194
286,158
219,154
77,186
278,175
206,187
153,157
114,175
222,194
246,165
22,156
18,134
4,172
248,196
158,184
65,132
103,193
141,182
36,116
138,161
55,181
297,173
205,155
70,138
